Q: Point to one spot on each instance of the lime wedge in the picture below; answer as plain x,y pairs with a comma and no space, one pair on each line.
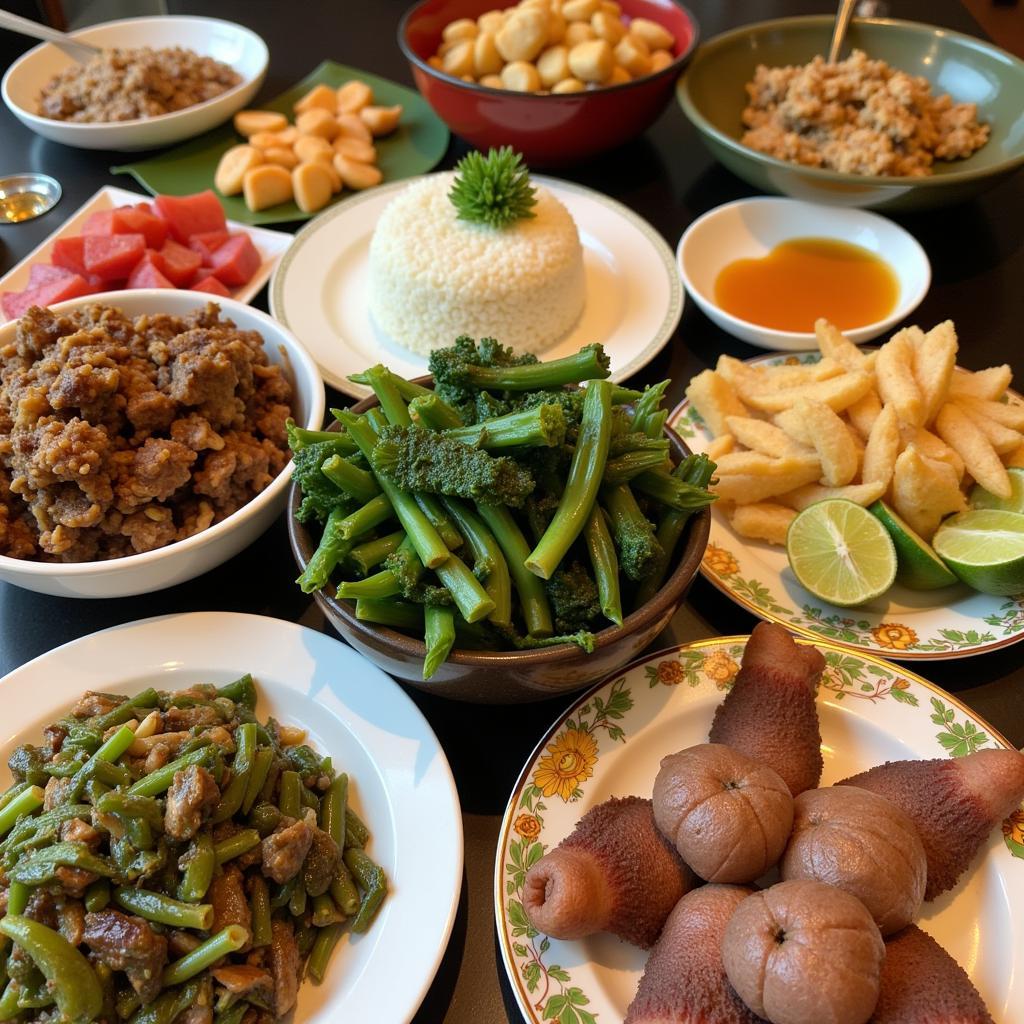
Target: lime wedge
917,565
841,553
985,548
980,498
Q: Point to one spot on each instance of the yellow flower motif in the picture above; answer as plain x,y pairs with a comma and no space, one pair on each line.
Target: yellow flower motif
720,667
1013,827
670,673
901,684
894,636
791,361
569,761
720,561
527,826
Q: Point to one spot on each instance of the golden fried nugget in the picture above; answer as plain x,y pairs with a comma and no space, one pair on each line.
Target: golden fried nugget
750,379
882,447
934,363
1008,414
835,345
960,432
765,478
833,441
715,399
863,413
838,393
894,378
721,445
809,494
925,490
990,384
792,423
763,520
931,445
1003,439
1016,458
765,437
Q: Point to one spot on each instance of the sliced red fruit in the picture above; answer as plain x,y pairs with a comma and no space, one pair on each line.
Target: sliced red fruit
112,257
236,261
99,223
130,220
191,215
67,252
71,287
179,264
207,243
212,285
147,273
44,273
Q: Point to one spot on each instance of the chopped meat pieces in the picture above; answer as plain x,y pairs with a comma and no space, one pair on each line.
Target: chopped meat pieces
246,981
321,863
71,918
128,944
74,881
284,966
191,798
93,703
227,895
75,830
285,849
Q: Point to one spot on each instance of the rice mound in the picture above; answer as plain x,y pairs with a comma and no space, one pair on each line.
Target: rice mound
434,277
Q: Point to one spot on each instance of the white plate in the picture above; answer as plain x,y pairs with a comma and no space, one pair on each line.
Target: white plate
615,736
906,624
634,297
399,777
269,244
751,228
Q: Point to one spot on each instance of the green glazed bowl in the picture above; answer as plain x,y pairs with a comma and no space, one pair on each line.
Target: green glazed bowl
713,97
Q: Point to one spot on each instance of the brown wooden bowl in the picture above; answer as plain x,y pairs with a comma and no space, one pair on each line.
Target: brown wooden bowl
509,677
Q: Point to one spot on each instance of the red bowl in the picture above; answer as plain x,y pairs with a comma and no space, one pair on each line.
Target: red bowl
552,130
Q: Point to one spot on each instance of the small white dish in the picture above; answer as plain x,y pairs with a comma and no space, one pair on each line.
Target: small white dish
269,244
183,560
234,45
400,780
319,290
751,228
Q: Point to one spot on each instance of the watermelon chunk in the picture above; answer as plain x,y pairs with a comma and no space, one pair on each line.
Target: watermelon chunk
71,287
178,263
212,285
67,252
236,261
44,273
148,273
130,220
207,243
99,223
112,257
191,215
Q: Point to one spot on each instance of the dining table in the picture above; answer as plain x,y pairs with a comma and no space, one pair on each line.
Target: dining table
667,177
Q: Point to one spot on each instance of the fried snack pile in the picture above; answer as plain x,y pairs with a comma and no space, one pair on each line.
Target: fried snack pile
902,423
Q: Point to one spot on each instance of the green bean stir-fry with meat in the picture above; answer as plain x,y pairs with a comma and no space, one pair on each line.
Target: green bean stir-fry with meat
518,504
167,856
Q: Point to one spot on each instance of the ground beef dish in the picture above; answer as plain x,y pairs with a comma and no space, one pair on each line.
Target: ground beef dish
123,85
857,116
119,436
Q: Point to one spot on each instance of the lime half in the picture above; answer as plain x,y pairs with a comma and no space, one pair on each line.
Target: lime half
917,565
841,553
985,548
980,498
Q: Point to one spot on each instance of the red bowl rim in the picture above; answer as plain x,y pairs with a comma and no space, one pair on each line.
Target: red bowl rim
674,68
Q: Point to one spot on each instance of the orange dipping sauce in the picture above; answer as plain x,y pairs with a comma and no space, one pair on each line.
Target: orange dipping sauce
806,278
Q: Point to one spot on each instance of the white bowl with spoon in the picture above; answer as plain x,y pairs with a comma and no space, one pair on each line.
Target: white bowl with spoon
783,235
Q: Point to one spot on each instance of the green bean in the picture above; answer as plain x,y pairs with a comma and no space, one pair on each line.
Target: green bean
283,893
355,482
145,807
389,612
9,1008
326,912
160,781
377,587
330,551
40,867
434,511
26,802
290,799
408,389
438,635
97,896
671,491
257,777
18,896
242,690
381,379
343,891
365,518
236,845
232,1014
10,794
232,797
305,936
155,906
199,867
264,818
623,468
259,907
140,835
326,939
370,554
605,563
45,824
111,775
332,808
227,940
73,982
485,549
297,902
372,881
356,832
467,592
124,711
301,437
170,1005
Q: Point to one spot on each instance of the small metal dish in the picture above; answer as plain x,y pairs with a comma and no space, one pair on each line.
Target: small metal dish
27,196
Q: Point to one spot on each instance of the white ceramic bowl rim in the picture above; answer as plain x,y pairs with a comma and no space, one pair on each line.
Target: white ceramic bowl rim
302,366
903,307
84,126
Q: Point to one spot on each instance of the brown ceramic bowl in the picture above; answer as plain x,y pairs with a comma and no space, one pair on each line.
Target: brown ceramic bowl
508,677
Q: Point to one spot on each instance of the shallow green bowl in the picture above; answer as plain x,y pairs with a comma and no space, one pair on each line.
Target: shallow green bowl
712,96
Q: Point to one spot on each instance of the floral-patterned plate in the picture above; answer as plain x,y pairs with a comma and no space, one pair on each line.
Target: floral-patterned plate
906,624
610,742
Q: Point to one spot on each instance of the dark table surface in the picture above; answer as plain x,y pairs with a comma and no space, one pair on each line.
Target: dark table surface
977,255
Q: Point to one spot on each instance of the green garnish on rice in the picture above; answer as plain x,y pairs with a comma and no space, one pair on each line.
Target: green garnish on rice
493,189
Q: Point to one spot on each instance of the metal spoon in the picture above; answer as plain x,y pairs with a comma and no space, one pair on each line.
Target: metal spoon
843,16
80,52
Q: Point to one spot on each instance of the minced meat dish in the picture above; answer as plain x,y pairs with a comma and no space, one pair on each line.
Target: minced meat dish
119,436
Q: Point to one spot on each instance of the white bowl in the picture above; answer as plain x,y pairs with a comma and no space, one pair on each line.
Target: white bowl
184,559
751,228
238,47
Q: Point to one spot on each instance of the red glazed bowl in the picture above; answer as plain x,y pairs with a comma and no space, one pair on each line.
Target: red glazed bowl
552,130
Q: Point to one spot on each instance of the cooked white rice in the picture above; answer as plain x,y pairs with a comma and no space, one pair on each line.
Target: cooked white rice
434,277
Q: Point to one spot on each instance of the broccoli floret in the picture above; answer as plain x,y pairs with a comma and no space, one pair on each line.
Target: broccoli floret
448,366
408,570
574,598
583,639
319,495
635,540
427,462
